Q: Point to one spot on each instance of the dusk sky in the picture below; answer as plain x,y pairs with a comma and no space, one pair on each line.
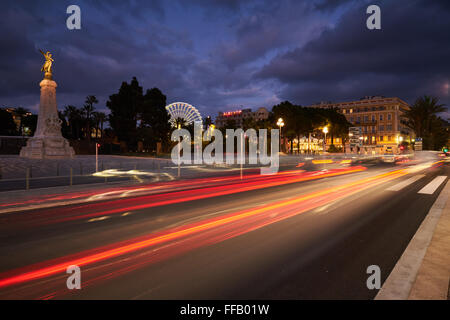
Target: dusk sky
221,55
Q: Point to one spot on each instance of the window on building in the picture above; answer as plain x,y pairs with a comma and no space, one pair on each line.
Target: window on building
381,128
381,138
373,118
389,117
366,118
381,117
389,127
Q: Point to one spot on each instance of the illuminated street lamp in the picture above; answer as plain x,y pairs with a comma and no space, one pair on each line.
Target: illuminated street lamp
325,131
280,124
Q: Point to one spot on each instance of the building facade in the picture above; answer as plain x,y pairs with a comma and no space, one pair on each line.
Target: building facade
380,119
237,118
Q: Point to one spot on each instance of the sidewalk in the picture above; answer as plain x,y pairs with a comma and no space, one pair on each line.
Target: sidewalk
433,278
423,270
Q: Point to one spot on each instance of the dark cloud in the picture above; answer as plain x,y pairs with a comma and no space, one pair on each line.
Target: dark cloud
407,58
223,54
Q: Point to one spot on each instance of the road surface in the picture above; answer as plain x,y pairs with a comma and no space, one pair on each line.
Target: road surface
301,234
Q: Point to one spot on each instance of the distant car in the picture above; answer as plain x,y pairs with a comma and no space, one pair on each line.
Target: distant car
388,157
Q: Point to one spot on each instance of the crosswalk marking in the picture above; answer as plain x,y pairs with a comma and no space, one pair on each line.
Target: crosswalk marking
433,185
404,184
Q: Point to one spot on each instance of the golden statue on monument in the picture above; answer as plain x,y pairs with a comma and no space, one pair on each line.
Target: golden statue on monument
47,67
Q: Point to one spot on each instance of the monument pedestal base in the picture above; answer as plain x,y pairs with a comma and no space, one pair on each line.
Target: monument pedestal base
48,142
47,148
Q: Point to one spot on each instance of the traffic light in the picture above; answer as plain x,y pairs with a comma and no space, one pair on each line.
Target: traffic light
445,149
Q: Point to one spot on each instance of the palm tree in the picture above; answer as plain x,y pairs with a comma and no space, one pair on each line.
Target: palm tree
420,117
89,109
68,113
75,117
99,119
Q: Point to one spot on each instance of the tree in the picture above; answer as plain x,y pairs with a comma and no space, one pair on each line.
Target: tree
423,120
155,119
89,109
124,107
98,119
7,125
65,130
286,111
75,118
21,112
30,122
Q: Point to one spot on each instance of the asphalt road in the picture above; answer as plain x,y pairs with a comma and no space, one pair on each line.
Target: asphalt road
288,238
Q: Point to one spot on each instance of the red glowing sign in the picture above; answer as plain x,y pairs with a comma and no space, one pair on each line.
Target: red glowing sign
232,113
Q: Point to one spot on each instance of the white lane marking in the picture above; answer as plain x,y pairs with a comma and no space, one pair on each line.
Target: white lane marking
404,184
433,185
401,280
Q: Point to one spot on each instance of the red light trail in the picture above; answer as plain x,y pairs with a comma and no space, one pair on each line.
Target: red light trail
196,234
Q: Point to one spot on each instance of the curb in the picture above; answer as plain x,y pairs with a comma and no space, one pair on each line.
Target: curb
401,281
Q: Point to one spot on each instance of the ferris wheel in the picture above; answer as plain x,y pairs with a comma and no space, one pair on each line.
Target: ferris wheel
181,111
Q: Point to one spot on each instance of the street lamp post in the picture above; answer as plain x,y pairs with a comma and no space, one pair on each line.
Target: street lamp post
325,131
280,124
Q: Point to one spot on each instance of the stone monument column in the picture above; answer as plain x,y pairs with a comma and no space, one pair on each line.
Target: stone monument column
47,142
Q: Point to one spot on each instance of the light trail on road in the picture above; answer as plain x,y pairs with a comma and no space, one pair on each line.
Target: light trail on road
184,238
92,210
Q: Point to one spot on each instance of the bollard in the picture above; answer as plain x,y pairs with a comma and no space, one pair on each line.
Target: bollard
27,179
71,176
